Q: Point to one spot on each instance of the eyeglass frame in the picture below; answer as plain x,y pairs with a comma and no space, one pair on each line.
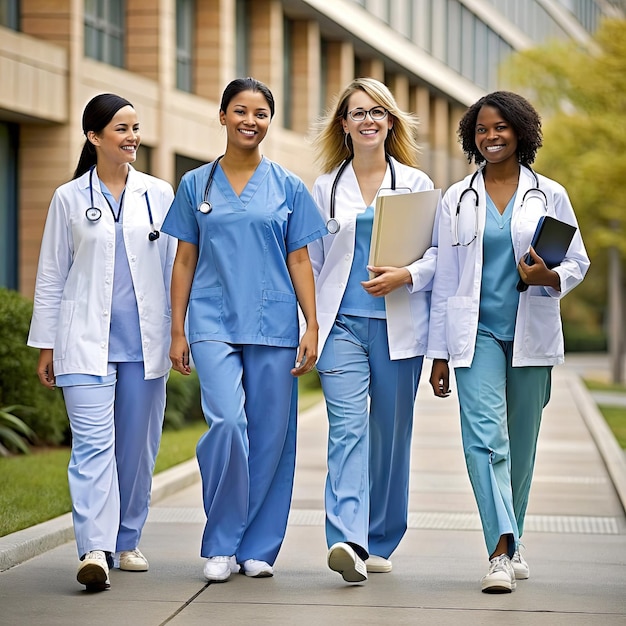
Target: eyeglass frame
368,112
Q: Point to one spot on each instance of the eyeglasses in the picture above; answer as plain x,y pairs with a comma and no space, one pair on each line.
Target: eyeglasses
376,114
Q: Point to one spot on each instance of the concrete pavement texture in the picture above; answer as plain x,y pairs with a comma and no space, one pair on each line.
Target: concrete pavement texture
575,542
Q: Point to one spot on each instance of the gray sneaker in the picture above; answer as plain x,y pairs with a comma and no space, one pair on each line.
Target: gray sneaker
520,567
500,578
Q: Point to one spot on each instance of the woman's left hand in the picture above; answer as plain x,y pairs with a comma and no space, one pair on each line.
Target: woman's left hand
307,354
538,273
387,279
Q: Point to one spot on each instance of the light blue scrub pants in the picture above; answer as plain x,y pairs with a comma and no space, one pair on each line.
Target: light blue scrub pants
116,432
369,447
247,457
501,409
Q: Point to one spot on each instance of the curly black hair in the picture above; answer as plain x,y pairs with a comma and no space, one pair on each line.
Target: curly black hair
517,112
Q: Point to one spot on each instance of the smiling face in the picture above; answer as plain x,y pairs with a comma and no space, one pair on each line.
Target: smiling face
119,139
495,138
369,134
247,118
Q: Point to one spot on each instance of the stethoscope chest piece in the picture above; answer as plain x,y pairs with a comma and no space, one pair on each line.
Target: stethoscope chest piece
332,226
93,214
205,207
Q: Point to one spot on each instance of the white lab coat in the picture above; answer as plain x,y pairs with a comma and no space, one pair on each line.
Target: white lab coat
75,276
331,257
538,338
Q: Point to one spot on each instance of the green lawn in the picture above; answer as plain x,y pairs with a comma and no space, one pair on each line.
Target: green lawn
33,488
615,416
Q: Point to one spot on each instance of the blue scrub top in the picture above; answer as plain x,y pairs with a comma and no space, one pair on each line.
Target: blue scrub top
356,301
498,293
242,292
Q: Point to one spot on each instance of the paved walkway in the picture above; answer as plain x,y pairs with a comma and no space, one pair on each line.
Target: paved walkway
575,543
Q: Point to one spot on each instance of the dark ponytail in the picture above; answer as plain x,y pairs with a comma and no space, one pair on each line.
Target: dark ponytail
97,114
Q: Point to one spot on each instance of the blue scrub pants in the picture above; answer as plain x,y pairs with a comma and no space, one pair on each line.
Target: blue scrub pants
369,447
247,457
116,431
501,409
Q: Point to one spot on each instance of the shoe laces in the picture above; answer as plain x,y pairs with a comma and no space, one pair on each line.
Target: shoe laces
500,562
220,559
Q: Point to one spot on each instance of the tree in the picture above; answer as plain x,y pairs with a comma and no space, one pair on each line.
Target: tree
581,92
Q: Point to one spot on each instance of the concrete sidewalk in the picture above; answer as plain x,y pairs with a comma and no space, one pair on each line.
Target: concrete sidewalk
575,543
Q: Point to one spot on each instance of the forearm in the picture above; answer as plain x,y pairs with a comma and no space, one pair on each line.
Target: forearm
301,274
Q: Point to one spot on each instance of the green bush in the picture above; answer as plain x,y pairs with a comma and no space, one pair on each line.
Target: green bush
19,385
183,400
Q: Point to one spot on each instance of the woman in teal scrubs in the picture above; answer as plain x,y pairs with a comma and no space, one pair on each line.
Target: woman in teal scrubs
241,270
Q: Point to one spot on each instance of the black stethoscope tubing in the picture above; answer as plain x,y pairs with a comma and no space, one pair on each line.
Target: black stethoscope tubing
472,189
93,213
205,206
332,225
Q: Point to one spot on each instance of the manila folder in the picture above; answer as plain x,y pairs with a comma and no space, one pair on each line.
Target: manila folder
403,227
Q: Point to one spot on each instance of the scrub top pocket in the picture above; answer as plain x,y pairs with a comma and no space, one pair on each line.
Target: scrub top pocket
205,312
279,315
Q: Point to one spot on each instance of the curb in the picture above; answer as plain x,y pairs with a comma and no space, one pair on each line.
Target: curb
30,542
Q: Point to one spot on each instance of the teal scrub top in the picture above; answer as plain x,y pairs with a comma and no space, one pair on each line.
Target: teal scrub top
242,291
498,294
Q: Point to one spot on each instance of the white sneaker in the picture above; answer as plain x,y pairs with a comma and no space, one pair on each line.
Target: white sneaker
500,578
219,568
257,569
133,561
93,571
378,564
343,559
520,567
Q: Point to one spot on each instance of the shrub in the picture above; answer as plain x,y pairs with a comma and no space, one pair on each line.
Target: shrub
183,400
19,385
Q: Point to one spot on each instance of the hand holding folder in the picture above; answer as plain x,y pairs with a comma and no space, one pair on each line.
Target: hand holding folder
403,227
551,241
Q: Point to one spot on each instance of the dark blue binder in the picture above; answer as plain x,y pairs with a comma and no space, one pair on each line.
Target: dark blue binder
551,241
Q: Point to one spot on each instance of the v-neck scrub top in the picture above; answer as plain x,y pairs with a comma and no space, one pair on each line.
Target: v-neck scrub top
242,291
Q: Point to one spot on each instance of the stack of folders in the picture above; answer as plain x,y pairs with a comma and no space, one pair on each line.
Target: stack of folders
403,227
551,241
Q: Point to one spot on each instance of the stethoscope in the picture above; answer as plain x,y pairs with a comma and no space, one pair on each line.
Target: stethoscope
332,225
205,206
470,189
93,213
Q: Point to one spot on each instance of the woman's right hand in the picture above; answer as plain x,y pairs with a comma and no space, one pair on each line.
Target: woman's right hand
179,355
440,378
45,370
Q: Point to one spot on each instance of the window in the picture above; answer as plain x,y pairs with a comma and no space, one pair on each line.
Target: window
10,14
8,205
104,31
241,37
185,12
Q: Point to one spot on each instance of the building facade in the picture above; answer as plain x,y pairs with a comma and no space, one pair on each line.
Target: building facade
172,59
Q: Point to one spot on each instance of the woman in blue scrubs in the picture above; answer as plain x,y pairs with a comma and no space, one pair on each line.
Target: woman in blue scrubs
241,270
502,343
100,317
373,332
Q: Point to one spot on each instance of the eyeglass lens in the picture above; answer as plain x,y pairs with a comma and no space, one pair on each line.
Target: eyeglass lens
376,114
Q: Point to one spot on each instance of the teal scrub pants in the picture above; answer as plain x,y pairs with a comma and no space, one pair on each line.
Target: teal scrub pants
501,409
247,457
370,401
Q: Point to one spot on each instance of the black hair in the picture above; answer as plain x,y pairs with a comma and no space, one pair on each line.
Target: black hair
517,112
246,84
97,114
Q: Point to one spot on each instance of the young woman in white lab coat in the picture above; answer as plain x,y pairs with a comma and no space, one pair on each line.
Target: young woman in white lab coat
242,267
373,332
101,320
502,343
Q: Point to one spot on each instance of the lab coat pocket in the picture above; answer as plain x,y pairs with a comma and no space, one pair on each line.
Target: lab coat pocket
205,311
458,324
66,313
279,315
543,335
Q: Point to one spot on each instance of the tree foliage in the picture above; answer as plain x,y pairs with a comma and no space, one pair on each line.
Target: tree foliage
581,94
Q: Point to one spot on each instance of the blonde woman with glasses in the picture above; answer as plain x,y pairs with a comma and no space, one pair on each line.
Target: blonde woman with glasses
371,347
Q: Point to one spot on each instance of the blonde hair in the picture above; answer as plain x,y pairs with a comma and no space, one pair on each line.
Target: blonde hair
330,144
